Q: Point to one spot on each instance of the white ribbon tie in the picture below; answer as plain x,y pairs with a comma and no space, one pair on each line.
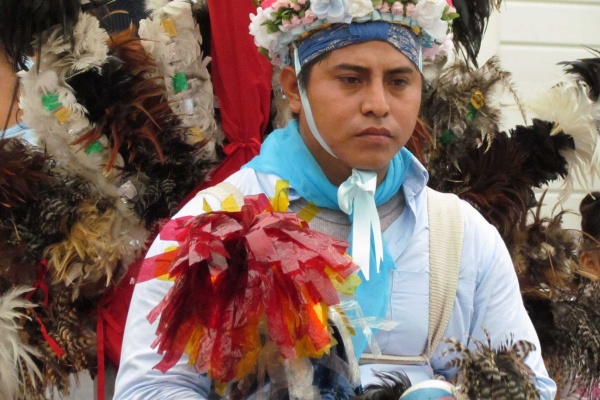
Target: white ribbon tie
356,196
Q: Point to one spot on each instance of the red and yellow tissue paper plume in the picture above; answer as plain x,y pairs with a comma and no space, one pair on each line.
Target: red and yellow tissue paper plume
240,276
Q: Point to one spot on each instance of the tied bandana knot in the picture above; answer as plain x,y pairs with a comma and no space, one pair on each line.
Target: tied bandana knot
356,197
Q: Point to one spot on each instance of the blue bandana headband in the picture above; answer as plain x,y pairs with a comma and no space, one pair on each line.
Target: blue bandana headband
341,35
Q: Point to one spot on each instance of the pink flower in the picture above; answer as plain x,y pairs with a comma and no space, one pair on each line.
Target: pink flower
397,8
295,20
450,3
409,9
296,6
309,18
301,1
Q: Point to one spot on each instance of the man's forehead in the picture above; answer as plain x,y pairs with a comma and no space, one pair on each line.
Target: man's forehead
361,56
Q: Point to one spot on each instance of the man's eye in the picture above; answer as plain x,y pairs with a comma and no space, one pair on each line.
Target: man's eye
399,82
352,80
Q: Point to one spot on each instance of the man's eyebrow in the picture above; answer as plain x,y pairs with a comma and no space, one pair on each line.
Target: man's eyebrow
358,68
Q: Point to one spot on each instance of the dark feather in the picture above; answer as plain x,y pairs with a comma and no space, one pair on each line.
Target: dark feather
393,385
490,178
469,28
98,91
588,70
546,258
544,162
22,174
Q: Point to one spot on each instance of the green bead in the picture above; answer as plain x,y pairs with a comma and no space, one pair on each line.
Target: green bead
179,82
94,148
447,137
472,113
50,101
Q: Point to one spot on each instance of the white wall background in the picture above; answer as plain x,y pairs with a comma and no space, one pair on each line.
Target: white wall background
531,37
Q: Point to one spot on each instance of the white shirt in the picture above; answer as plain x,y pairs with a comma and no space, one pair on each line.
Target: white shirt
488,297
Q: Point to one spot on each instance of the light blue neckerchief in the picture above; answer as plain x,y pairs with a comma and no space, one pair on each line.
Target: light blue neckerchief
285,154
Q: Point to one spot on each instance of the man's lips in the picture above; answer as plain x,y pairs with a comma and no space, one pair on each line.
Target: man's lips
375,132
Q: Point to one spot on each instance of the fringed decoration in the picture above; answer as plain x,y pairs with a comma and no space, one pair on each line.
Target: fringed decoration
488,373
245,277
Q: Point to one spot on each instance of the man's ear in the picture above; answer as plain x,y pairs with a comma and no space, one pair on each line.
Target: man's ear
290,87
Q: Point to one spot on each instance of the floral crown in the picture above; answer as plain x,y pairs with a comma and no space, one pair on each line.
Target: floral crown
278,23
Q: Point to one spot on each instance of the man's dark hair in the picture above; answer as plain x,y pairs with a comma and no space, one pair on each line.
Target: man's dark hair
306,70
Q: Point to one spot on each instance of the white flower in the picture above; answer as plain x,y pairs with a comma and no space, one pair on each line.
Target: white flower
261,36
332,10
428,14
360,8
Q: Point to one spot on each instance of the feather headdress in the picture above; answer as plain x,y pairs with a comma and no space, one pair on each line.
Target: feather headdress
16,356
571,112
586,70
489,373
470,26
462,103
60,332
95,246
546,257
570,340
22,174
173,39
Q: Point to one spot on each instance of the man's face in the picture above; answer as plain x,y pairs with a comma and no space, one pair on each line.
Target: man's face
365,99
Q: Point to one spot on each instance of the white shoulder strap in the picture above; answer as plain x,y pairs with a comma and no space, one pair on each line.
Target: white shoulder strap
223,190
446,230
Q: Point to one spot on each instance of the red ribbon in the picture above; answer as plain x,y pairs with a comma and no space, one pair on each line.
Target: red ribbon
252,144
51,342
40,283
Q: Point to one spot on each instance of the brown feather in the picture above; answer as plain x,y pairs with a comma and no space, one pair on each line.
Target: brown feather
139,120
22,173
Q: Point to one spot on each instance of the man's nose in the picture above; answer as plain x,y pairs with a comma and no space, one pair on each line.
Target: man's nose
375,101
